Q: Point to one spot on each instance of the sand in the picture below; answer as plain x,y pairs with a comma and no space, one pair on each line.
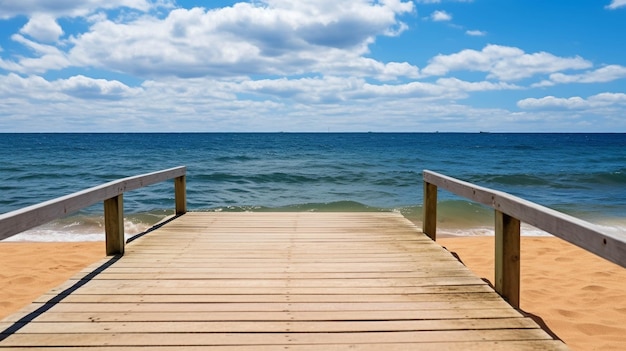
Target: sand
28,270
580,297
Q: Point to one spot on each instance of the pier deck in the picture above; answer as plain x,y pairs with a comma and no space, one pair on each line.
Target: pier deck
277,281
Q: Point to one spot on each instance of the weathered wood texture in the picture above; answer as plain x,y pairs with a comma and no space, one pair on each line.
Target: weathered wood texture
429,226
114,225
507,258
180,194
277,281
15,222
609,246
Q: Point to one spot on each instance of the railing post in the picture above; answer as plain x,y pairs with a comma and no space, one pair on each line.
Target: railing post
180,194
507,260
429,224
114,225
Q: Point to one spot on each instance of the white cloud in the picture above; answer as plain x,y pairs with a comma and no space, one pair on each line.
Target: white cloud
503,62
293,65
616,4
305,104
49,58
331,89
88,88
550,102
43,28
461,85
574,103
543,84
440,16
600,75
609,98
81,87
72,8
9,65
202,104
247,39
476,33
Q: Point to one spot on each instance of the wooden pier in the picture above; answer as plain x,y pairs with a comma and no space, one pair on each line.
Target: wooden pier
277,281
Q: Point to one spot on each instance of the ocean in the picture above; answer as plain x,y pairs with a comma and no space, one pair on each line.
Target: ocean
583,175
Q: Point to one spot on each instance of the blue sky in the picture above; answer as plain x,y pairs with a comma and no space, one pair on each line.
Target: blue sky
315,66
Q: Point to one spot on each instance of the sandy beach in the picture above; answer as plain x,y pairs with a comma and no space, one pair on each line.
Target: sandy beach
28,270
580,297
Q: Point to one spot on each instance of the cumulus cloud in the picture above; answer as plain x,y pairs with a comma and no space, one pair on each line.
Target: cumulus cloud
35,87
43,28
441,16
265,63
503,62
551,102
573,103
616,4
331,89
293,104
279,38
89,88
49,58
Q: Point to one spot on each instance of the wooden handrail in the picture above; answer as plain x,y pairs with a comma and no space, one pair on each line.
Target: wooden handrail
510,212
111,194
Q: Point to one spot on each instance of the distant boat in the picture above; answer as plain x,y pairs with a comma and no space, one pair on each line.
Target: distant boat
481,132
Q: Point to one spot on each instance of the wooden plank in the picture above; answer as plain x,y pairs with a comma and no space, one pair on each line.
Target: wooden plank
583,234
429,226
277,326
268,315
267,290
500,345
507,258
18,221
276,307
114,225
244,339
192,284
208,298
215,274
175,287
180,194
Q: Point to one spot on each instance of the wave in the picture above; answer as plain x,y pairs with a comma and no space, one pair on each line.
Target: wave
283,178
560,180
238,158
88,227
454,218
337,206
513,179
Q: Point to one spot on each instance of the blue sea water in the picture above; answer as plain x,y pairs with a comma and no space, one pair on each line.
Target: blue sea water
580,174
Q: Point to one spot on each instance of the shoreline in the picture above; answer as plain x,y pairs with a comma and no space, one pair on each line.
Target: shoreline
580,297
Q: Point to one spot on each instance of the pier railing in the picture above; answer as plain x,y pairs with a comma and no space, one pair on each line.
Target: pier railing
510,211
111,194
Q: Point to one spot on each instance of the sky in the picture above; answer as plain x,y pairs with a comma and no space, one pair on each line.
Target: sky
312,66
